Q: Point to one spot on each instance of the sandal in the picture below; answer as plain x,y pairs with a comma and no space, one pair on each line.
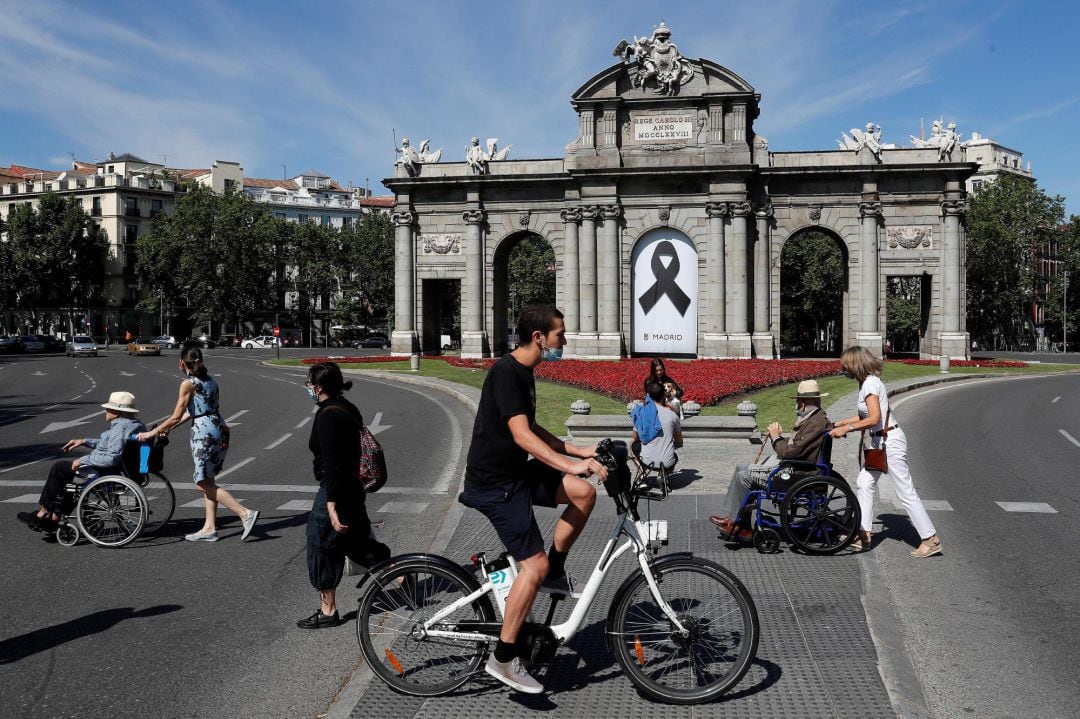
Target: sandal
861,543
928,548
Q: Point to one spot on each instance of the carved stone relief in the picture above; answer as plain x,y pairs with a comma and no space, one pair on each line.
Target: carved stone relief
444,244
910,237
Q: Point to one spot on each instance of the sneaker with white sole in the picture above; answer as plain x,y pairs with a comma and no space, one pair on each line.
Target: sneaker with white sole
202,537
514,675
249,523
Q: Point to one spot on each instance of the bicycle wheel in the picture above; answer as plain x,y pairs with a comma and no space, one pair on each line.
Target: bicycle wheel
715,608
111,511
820,515
160,500
392,611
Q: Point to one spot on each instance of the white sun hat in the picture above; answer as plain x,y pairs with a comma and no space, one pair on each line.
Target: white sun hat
121,402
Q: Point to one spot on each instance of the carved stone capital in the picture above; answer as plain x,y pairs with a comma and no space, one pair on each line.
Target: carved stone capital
473,217
763,208
403,218
664,213
571,214
611,212
590,212
953,207
717,209
868,209
741,209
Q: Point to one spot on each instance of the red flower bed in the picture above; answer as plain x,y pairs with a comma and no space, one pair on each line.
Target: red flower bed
965,363
364,359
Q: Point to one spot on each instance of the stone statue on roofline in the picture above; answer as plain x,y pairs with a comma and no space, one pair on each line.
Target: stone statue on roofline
477,158
411,159
656,61
945,141
869,138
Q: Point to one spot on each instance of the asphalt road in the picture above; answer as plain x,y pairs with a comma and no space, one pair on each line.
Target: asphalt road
167,628
991,625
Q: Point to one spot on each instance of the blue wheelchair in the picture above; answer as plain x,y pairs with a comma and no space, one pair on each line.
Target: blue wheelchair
112,510
807,503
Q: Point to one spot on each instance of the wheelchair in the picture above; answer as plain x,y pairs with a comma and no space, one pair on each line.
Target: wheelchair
817,511
113,510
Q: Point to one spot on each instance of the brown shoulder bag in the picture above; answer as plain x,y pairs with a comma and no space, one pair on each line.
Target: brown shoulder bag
876,459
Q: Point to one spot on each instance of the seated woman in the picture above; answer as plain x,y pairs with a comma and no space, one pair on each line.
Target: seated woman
672,391
120,413
810,427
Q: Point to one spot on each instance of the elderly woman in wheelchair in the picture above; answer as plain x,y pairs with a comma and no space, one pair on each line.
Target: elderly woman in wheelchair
102,495
801,495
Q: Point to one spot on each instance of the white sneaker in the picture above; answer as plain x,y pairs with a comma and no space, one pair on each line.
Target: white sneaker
514,675
249,523
202,537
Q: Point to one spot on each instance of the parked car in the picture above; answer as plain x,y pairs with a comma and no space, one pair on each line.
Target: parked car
52,344
29,343
81,345
202,342
167,341
143,346
228,341
373,342
260,342
7,343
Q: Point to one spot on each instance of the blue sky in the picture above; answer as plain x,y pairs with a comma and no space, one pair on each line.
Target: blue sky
325,84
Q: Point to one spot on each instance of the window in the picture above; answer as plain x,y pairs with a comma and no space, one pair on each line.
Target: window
301,219
156,207
230,184
95,208
131,206
326,220
976,185
346,222
111,170
132,234
280,215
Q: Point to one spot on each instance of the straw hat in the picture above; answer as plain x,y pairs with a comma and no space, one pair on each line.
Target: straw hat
808,389
121,402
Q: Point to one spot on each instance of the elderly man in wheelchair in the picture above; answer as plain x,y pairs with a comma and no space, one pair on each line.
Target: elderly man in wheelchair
105,457
750,482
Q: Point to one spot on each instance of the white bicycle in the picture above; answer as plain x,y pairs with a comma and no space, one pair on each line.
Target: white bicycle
684,629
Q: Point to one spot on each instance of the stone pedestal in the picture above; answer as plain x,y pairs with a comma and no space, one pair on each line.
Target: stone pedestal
955,345
474,345
609,344
713,346
763,345
403,343
739,346
591,345
872,341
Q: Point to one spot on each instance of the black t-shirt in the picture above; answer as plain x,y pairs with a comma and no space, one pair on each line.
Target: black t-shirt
494,457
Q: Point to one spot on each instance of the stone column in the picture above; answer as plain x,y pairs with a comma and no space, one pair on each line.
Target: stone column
571,216
954,340
608,281
739,344
403,340
869,334
714,343
587,335
762,338
473,337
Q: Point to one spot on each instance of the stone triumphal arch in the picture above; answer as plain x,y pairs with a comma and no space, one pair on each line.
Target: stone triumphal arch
667,216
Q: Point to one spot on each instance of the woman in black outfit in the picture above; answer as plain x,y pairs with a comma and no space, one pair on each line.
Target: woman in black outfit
672,390
338,525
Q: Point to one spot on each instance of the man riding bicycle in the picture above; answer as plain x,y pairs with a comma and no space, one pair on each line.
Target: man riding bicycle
504,484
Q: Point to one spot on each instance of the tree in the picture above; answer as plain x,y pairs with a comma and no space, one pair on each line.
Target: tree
367,252
903,313
55,256
315,256
812,278
1006,221
1069,256
530,270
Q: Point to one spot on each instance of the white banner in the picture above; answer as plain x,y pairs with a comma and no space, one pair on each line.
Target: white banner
665,294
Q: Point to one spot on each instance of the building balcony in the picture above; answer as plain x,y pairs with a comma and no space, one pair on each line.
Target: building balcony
132,212
95,212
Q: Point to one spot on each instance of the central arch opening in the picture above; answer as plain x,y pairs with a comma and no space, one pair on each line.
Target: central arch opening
523,275
813,294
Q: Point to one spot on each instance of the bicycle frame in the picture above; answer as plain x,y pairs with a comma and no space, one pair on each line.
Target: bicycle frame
637,533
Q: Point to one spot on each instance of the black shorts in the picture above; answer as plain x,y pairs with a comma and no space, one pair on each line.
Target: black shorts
509,507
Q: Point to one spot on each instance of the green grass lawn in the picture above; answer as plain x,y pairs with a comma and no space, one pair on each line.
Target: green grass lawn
774,404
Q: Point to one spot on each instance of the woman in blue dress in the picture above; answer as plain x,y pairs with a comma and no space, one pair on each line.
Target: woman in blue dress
198,401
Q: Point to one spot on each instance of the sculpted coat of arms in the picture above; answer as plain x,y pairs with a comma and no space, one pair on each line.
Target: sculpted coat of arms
655,62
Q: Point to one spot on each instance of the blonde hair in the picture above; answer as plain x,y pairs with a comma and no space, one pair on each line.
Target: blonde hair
860,362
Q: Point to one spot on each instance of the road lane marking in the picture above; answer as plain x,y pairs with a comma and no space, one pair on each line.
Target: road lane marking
54,426
403,507
305,421
931,505
241,413
278,441
12,469
297,505
1069,437
1039,507
1055,399
24,499
236,466
192,504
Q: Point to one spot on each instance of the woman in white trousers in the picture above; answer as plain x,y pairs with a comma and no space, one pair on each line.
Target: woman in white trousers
880,427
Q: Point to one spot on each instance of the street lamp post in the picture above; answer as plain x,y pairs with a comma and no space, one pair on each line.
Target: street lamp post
1064,313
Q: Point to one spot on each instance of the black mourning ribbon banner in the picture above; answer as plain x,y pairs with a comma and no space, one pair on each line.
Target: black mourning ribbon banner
665,281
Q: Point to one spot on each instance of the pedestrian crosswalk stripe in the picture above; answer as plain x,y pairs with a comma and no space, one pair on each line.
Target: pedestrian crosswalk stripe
297,505
236,466
278,441
193,503
404,507
1040,507
229,420
25,499
938,505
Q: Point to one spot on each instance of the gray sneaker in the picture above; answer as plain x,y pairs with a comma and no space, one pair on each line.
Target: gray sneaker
514,675
201,537
249,523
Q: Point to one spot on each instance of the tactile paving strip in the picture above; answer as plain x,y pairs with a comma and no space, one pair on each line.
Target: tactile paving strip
815,657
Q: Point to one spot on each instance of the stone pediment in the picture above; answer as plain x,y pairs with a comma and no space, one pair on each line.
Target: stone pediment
709,79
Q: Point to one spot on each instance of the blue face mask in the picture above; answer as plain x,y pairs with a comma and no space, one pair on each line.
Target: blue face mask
311,393
801,412
550,355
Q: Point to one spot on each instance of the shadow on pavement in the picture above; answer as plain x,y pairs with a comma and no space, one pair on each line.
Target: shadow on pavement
41,640
683,478
897,527
23,453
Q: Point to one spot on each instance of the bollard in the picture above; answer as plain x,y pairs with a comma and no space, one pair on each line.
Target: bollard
746,408
944,363
690,408
580,406
414,363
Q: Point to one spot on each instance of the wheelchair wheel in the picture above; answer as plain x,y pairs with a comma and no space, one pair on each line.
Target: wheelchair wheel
160,500
67,534
820,515
111,511
767,541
